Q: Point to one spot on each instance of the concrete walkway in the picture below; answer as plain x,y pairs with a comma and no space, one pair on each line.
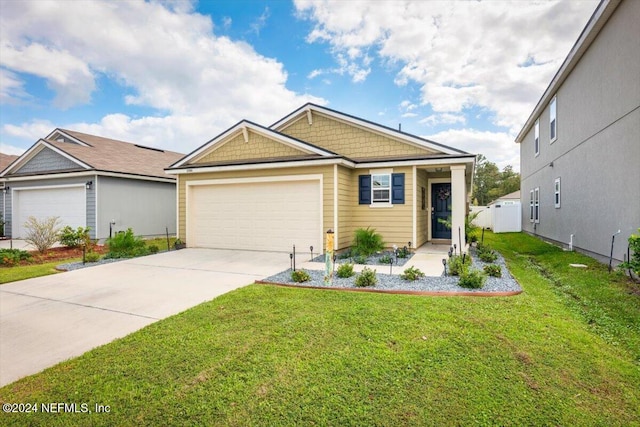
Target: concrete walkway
49,319
427,258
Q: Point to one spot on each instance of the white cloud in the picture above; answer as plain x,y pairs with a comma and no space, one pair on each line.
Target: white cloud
498,147
165,54
461,54
443,118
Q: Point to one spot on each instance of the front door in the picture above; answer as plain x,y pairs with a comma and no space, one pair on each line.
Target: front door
440,209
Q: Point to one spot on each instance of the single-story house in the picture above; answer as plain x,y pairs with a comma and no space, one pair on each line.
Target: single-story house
317,169
507,198
91,181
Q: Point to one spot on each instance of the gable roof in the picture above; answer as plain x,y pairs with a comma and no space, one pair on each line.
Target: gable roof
96,153
244,126
598,19
366,124
6,160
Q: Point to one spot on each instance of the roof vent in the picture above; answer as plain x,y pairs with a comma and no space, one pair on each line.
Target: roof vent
149,148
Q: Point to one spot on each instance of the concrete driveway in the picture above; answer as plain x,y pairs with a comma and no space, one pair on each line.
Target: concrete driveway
49,319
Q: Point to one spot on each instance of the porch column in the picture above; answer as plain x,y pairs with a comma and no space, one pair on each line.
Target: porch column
458,203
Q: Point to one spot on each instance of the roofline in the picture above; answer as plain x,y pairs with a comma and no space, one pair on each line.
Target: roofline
598,19
71,137
35,149
387,131
246,124
92,172
440,160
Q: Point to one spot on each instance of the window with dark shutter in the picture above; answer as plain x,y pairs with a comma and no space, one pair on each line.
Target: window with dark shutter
364,189
397,188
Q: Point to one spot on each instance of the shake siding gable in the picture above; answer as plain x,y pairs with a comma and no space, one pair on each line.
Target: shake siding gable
349,140
258,147
47,160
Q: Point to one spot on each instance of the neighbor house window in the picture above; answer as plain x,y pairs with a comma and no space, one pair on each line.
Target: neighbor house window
556,193
536,138
381,188
531,206
553,123
536,205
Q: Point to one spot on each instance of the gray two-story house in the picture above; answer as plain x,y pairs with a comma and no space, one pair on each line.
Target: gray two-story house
580,147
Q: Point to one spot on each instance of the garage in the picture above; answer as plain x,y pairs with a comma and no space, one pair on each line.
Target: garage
255,215
67,203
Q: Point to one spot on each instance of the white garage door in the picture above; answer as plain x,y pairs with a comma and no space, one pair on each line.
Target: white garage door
68,203
266,216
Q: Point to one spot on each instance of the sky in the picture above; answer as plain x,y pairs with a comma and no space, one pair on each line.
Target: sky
174,74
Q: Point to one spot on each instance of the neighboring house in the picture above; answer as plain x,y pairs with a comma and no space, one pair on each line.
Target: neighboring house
91,181
511,197
580,148
5,160
269,188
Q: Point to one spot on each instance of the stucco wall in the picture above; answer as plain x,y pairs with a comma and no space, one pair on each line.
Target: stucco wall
597,152
147,207
258,147
348,140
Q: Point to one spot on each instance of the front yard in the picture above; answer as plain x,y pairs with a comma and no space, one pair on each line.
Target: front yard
564,352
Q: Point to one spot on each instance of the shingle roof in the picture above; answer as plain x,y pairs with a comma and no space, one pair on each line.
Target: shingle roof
111,155
6,160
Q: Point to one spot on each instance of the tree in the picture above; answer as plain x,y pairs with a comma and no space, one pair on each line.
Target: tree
489,183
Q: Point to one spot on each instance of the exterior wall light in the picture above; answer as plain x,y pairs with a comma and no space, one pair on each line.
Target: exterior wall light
89,184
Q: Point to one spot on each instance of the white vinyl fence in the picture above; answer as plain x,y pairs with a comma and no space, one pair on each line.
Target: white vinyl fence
483,220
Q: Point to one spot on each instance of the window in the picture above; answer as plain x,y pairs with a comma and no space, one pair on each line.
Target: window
381,188
556,193
531,206
553,124
536,138
536,207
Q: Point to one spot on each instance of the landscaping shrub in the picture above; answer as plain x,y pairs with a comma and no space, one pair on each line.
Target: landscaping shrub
412,274
367,241
10,257
92,257
472,279
366,278
74,238
488,256
42,234
153,249
125,245
386,259
633,263
359,259
456,266
300,276
493,270
345,270
403,252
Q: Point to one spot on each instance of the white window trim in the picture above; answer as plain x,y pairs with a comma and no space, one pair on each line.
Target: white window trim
376,203
556,193
531,206
553,108
536,138
536,205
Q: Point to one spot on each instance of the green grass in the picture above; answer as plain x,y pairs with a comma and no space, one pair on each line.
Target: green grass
21,272
274,356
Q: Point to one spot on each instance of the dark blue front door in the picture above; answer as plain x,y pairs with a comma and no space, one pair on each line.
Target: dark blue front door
440,209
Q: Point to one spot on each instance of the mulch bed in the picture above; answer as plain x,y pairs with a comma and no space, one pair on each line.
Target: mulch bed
59,254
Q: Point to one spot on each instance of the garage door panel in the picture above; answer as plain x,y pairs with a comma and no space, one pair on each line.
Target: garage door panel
67,203
261,216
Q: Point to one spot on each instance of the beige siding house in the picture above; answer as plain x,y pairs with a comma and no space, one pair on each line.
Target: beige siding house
269,188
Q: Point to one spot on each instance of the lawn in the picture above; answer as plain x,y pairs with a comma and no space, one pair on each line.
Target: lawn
565,352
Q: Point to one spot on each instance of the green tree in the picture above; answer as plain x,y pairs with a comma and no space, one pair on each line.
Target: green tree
489,182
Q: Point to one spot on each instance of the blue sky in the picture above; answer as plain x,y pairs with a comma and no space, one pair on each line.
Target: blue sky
173,74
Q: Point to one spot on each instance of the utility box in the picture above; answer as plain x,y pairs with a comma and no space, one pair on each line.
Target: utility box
506,217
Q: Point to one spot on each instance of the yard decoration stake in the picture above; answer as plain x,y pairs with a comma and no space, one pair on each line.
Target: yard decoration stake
328,260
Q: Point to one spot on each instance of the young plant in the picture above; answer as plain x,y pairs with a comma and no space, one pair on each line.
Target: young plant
412,274
74,238
456,265
92,257
493,270
359,259
125,244
366,278
345,270
385,259
10,257
300,276
472,279
42,234
367,241
633,263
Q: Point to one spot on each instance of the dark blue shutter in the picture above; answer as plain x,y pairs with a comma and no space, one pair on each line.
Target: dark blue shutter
364,189
397,188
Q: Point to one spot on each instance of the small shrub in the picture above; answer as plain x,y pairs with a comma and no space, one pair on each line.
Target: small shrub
385,259
403,252
472,279
366,278
92,257
455,265
367,241
633,263
125,244
300,276
412,274
75,238
10,257
153,249
345,255
359,259
345,270
488,256
42,234
493,270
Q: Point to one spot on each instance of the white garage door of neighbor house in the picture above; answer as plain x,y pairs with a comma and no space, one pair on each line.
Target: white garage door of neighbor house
68,203
266,216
